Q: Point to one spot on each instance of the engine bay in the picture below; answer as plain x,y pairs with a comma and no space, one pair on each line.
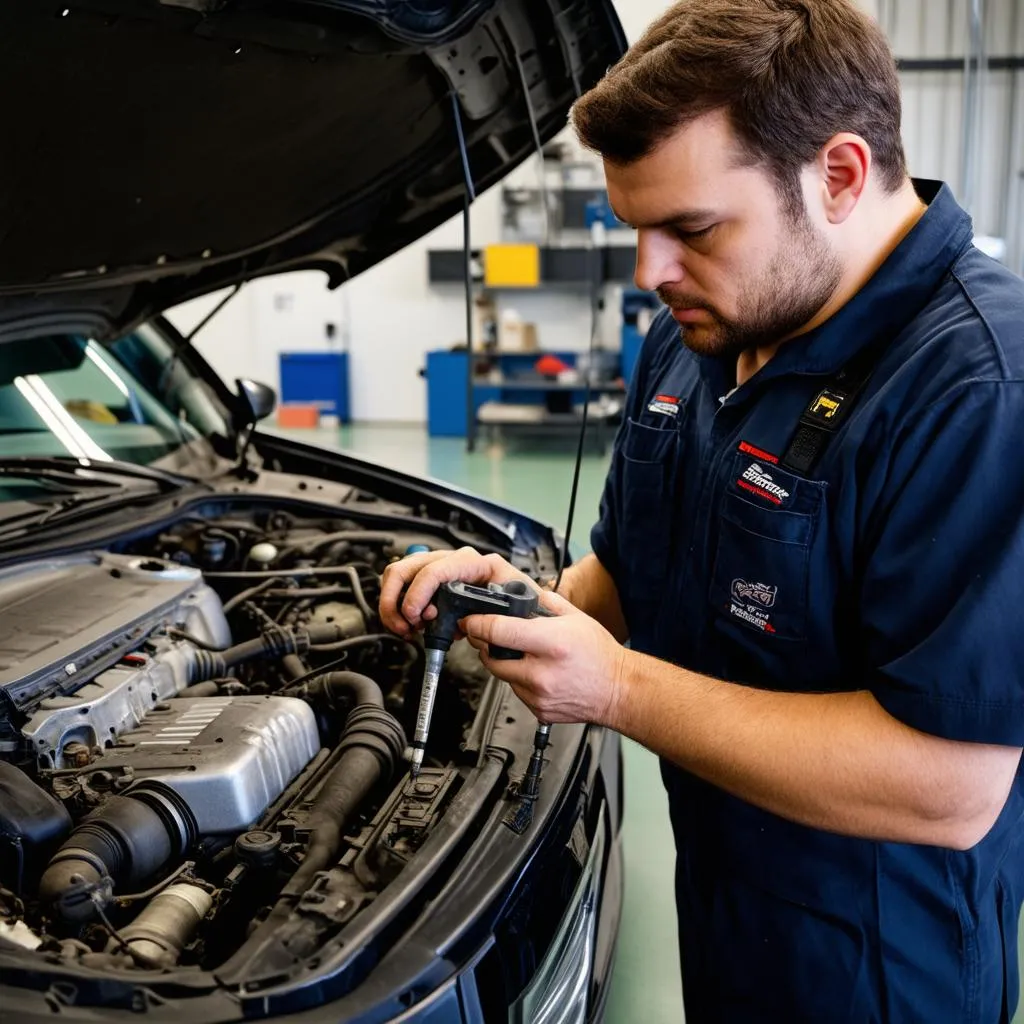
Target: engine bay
203,742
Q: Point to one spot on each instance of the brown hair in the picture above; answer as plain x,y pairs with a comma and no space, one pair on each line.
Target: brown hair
789,73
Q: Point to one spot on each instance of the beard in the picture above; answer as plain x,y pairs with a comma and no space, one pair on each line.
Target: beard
787,293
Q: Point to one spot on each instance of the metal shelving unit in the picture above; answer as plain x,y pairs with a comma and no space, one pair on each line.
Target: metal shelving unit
522,401
566,261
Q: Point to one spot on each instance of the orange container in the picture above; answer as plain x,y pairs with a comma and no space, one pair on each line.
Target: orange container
295,415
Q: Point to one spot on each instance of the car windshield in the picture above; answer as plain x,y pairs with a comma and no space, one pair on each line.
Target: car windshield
129,399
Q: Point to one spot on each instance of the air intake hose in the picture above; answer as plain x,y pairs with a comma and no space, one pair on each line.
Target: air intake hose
370,748
126,841
368,753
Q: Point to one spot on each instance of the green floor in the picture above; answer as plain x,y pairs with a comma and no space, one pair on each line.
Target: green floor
537,480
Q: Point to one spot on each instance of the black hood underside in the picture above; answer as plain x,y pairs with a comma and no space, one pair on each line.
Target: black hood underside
156,151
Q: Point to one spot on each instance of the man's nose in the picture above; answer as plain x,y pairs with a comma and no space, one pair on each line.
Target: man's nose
657,261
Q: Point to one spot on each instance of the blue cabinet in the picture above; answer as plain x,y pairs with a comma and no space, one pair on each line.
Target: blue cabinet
633,301
446,394
316,378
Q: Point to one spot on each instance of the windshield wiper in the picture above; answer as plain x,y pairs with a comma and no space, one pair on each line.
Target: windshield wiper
72,470
71,508
91,487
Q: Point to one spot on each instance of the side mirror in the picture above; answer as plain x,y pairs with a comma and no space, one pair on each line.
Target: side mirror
256,401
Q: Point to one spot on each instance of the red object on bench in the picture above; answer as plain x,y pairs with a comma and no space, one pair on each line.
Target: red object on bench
550,366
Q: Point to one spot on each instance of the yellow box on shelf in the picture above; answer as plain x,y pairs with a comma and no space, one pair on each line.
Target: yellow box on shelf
512,266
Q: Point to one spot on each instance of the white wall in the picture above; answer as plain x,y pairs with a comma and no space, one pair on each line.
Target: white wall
387,320
933,115
390,317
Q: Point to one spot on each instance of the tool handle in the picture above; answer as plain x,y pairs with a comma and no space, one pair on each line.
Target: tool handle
456,600
530,605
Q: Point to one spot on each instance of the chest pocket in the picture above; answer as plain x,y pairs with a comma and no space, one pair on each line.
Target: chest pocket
767,525
650,468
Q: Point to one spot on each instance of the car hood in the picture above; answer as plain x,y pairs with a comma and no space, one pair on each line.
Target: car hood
162,149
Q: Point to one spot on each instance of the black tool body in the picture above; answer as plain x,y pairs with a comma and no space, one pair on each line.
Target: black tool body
454,601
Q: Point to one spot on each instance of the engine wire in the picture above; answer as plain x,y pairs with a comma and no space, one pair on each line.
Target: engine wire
595,307
140,959
330,590
350,572
347,645
159,887
245,595
182,634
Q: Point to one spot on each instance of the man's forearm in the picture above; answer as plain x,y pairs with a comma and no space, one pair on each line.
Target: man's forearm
837,762
590,587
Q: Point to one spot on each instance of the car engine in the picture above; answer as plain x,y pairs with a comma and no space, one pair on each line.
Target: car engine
204,728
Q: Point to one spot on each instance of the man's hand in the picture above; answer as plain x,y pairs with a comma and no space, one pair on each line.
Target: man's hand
572,669
423,574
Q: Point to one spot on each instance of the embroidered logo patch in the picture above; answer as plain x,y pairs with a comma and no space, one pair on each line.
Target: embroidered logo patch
763,594
750,603
666,405
758,481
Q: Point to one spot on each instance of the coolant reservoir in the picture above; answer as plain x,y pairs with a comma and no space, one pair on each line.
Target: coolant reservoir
263,553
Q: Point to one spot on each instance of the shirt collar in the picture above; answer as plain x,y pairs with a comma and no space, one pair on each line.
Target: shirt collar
893,296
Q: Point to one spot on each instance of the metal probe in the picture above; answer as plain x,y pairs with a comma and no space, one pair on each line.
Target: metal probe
454,601
431,679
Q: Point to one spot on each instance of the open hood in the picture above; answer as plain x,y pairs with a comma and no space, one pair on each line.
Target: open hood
160,149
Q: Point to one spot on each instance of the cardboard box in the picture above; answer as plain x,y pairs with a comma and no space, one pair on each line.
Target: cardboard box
518,336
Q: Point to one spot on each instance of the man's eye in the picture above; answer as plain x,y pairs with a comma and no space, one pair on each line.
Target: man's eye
696,236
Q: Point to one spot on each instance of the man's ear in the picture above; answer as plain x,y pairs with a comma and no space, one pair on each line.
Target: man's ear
843,164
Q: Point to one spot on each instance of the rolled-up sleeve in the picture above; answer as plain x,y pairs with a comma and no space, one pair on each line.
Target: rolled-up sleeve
943,570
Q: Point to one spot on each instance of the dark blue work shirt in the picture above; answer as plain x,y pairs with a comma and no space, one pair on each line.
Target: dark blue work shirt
897,568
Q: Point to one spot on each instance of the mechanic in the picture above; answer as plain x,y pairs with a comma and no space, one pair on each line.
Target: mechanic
812,533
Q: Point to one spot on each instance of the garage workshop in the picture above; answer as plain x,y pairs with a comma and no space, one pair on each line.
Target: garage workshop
510,511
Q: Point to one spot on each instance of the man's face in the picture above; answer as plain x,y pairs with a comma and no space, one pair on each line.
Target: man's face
716,242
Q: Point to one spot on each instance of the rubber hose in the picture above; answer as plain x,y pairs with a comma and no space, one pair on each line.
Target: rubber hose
294,667
273,643
207,689
373,743
331,686
360,597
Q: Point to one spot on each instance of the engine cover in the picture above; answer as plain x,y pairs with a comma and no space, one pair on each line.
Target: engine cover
63,622
70,652
228,758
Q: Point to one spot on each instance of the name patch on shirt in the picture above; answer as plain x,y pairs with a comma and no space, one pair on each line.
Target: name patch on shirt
665,405
758,453
757,480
